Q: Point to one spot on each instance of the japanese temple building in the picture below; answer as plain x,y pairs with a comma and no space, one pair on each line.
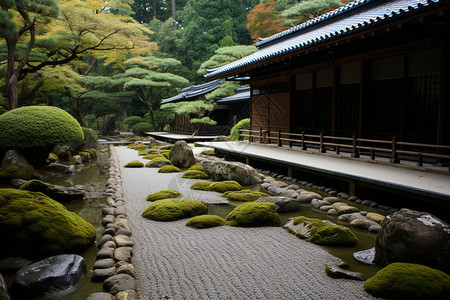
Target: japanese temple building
372,68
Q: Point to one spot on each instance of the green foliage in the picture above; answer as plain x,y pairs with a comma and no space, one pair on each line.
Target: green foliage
90,140
197,166
224,186
164,194
226,55
132,120
203,121
169,169
138,147
208,152
12,172
205,221
142,153
142,127
85,156
158,162
226,89
253,214
152,156
244,195
242,124
134,164
202,185
174,209
309,9
32,223
408,281
195,174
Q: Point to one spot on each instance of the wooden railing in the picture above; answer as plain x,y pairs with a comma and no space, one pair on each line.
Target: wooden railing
353,145
204,129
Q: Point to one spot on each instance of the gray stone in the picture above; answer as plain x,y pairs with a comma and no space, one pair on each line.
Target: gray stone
77,160
181,155
123,241
283,204
363,223
221,138
104,239
414,237
157,164
100,296
105,253
15,165
352,198
102,274
104,263
56,192
119,283
108,211
365,256
366,202
374,228
61,169
123,231
332,212
109,244
293,187
108,219
110,231
3,289
120,210
127,295
56,275
123,253
326,207
336,272
126,269
289,193
225,170
333,192
306,197
12,264
265,185
343,195
331,200
351,217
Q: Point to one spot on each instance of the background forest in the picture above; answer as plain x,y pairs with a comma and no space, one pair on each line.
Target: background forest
121,57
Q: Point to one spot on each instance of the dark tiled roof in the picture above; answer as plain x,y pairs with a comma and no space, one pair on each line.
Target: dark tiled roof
345,20
193,91
241,94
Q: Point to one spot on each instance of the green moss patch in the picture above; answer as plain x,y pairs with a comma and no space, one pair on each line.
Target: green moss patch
93,153
197,166
409,281
134,164
152,156
174,209
202,185
195,174
322,233
252,214
138,147
32,223
224,186
142,152
206,221
208,152
52,157
85,156
164,194
243,195
169,169
158,162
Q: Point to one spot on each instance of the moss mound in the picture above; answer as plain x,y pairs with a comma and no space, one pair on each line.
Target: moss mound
164,194
197,166
202,185
243,195
85,156
205,221
33,223
142,152
169,169
158,162
322,233
208,152
134,164
52,157
195,174
224,186
409,281
138,147
165,153
252,214
93,153
132,120
174,209
152,156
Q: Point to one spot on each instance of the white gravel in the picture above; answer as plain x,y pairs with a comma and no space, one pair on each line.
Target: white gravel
173,261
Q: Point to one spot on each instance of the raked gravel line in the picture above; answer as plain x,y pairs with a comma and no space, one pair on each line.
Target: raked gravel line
177,262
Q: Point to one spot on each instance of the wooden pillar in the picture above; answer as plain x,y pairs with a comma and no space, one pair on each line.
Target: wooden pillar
335,113
443,131
363,87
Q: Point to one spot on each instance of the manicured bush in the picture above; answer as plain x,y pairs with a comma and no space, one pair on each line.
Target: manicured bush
202,185
90,140
158,162
197,166
35,130
195,174
252,214
224,186
322,233
174,209
142,127
206,221
32,223
208,152
132,120
169,169
409,281
243,195
164,194
134,164
242,124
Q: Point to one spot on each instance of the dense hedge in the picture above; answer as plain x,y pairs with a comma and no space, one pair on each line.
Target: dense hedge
133,120
242,124
142,127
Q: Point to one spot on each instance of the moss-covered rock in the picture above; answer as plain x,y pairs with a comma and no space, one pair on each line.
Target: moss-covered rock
152,156
174,209
164,194
15,165
224,186
195,174
244,195
85,156
142,153
208,152
252,214
134,164
323,233
32,223
206,221
55,192
92,152
164,152
409,281
138,147
202,185
197,166
158,162
169,169
52,157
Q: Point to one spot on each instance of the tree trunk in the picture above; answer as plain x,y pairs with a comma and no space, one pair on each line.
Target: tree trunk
123,108
155,9
174,13
152,115
12,79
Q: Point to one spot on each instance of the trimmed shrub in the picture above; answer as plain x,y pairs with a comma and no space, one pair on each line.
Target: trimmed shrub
174,209
208,152
408,281
132,120
197,166
252,214
142,127
164,194
224,186
32,223
243,195
205,221
134,164
158,162
90,140
35,130
195,174
242,124
169,169
202,185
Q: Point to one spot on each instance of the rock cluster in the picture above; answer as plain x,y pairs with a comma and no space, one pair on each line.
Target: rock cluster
115,249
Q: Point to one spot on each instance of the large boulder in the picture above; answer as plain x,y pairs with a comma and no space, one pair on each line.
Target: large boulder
3,289
56,192
226,170
181,155
14,165
283,204
32,223
109,125
53,276
413,237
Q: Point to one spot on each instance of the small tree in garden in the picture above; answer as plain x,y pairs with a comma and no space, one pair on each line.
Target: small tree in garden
196,111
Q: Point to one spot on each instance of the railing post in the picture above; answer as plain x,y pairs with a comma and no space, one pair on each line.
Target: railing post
279,138
419,159
394,155
372,154
239,134
290,142
303,141
355,152
338,150
321,147
260,134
